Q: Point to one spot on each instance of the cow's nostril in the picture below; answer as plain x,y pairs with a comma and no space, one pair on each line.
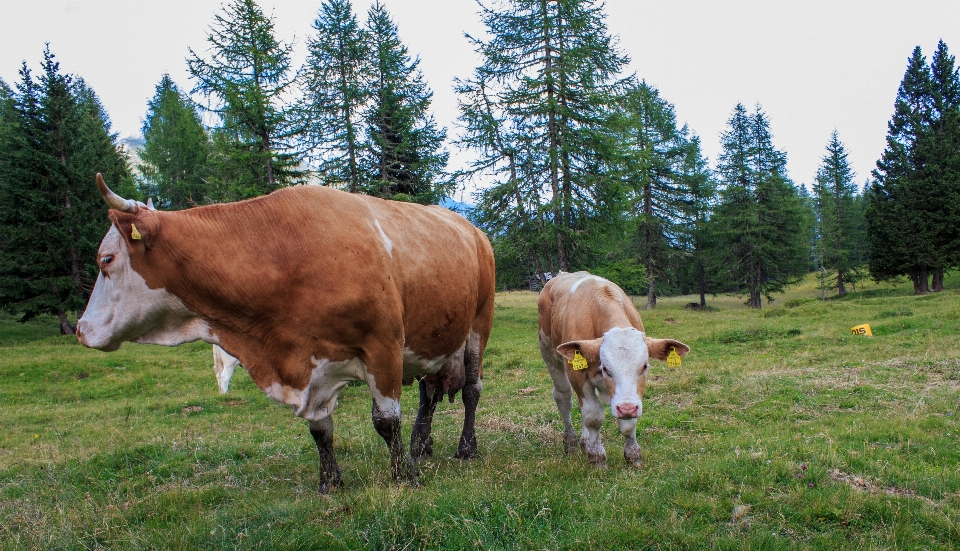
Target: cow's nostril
627,411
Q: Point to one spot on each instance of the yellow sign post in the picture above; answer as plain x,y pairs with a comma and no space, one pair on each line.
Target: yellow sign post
862,330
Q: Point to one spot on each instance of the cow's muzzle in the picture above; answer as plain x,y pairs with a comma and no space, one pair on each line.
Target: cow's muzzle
627,411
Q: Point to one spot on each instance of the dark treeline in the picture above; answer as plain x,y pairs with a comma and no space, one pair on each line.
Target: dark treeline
577,165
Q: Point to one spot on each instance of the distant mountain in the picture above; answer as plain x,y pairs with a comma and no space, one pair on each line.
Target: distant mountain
466,209
132,145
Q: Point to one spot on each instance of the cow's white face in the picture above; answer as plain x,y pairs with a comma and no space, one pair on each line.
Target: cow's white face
624,358
123,308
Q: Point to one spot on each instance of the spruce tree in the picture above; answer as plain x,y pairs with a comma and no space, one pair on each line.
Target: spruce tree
244,81
405,159
334,82
701,196
837,218
60,139
175,150
551,68
899,243
760,222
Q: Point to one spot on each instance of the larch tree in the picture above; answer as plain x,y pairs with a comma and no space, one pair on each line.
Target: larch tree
551,71
176,150
335,87
244,79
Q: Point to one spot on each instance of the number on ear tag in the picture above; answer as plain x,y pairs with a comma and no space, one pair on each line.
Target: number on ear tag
578,362
673,359
134,234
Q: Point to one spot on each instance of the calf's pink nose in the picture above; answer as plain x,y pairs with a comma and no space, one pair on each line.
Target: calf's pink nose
627,411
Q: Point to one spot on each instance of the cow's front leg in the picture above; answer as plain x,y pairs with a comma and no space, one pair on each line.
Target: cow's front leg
591,415
631,450
386,419
322,432
421,443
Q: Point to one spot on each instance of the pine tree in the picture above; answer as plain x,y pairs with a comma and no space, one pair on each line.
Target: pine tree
60,138
406,160
175,151
244,80
701,197
551,71
837,218
760,222
335,87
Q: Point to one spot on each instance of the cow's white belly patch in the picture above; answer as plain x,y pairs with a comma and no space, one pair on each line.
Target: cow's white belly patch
414,365
317,400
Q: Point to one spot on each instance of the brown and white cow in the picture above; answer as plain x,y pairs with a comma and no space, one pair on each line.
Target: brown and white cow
309,288
581,314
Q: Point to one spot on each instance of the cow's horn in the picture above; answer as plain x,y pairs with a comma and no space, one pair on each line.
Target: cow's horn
113,200
150,204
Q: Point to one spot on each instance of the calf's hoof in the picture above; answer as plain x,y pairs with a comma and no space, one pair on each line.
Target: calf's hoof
570,444
598,461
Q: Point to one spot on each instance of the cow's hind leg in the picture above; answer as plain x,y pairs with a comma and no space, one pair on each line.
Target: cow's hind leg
631,450
421,442
472,386
322,432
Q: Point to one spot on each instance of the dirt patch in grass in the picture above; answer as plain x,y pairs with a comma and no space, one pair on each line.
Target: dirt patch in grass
875,487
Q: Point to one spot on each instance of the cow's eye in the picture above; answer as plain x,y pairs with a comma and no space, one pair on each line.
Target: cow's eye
106,260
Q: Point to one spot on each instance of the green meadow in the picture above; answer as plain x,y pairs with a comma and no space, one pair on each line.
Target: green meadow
781,430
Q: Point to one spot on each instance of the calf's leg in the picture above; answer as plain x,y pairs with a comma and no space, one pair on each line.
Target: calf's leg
631,450
591,415
322,432
562,394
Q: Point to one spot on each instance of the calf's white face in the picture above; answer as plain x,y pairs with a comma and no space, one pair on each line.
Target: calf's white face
623,356
123,308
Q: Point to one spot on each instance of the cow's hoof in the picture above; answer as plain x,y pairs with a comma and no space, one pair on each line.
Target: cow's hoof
570,444
326,487
634,462
467,448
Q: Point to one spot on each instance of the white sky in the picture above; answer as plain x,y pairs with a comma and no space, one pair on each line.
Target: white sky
814,66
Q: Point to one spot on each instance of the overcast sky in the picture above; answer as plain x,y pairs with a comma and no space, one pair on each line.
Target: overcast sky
813,66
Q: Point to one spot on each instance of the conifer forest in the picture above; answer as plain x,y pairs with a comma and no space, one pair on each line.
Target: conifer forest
574,164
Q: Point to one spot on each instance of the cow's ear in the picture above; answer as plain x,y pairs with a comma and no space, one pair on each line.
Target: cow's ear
660,348
588,349
140,229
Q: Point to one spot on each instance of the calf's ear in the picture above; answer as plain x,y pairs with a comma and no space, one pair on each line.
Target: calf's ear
588,349
660,348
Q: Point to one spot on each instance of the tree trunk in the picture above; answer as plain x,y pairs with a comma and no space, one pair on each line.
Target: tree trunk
702,285
840,289
937,281
65,327
919,278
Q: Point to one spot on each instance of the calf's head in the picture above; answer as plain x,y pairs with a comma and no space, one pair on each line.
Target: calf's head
122,306
623,355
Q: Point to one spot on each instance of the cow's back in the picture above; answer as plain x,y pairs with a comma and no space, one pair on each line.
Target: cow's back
582,306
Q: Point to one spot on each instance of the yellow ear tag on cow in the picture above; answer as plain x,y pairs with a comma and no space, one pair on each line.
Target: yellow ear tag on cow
134,234
578,362
673,359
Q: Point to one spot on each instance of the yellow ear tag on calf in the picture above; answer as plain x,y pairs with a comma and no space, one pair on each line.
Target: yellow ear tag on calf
134,234
578,362
673,359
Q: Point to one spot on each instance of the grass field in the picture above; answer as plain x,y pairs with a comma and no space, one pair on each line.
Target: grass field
780,431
